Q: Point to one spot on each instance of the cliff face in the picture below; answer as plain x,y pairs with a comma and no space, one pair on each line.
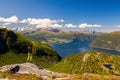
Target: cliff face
84,37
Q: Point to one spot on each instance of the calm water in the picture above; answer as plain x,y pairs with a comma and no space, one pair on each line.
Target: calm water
65,49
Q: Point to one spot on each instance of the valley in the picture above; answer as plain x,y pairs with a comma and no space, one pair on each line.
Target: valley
75,59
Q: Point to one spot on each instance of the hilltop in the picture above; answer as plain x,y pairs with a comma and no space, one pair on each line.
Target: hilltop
13,49
91,62
108,41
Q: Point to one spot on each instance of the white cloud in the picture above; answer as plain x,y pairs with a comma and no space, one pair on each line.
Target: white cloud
14,22
42,23
46,26
56,21
6,24
70,26
23,21
56,26
85,25
12,19
40,26
117,26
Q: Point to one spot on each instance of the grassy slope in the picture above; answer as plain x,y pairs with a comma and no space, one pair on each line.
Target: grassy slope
15,50
11,76
107,41
92,63
93,77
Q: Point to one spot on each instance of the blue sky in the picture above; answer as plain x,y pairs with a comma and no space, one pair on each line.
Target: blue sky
103,13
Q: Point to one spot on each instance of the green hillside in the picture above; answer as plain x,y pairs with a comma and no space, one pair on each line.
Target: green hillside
13,49
107,41
94,62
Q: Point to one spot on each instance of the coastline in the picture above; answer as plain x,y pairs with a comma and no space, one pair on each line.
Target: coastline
104,48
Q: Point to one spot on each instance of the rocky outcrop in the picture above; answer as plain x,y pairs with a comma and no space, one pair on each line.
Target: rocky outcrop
31,68
85,57
26,68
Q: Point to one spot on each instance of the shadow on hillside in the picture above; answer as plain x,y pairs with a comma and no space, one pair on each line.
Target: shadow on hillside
108,66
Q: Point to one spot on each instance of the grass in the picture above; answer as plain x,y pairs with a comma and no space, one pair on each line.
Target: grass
16,76
13,49
107,41
94,63
14,58
93,77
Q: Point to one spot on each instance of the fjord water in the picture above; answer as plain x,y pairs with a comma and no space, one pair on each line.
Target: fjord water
65,49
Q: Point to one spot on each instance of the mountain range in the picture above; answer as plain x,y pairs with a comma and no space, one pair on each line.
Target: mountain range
13,50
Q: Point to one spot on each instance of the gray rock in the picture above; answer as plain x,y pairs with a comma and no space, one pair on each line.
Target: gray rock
26,68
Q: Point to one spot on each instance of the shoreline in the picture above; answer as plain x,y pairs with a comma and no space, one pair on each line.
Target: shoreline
104,48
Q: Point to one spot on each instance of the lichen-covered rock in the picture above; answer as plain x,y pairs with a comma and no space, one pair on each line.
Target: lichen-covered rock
26,68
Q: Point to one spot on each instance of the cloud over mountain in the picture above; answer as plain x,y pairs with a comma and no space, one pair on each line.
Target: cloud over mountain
40,21
70,26
85,25
33,23
43,23
12,19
